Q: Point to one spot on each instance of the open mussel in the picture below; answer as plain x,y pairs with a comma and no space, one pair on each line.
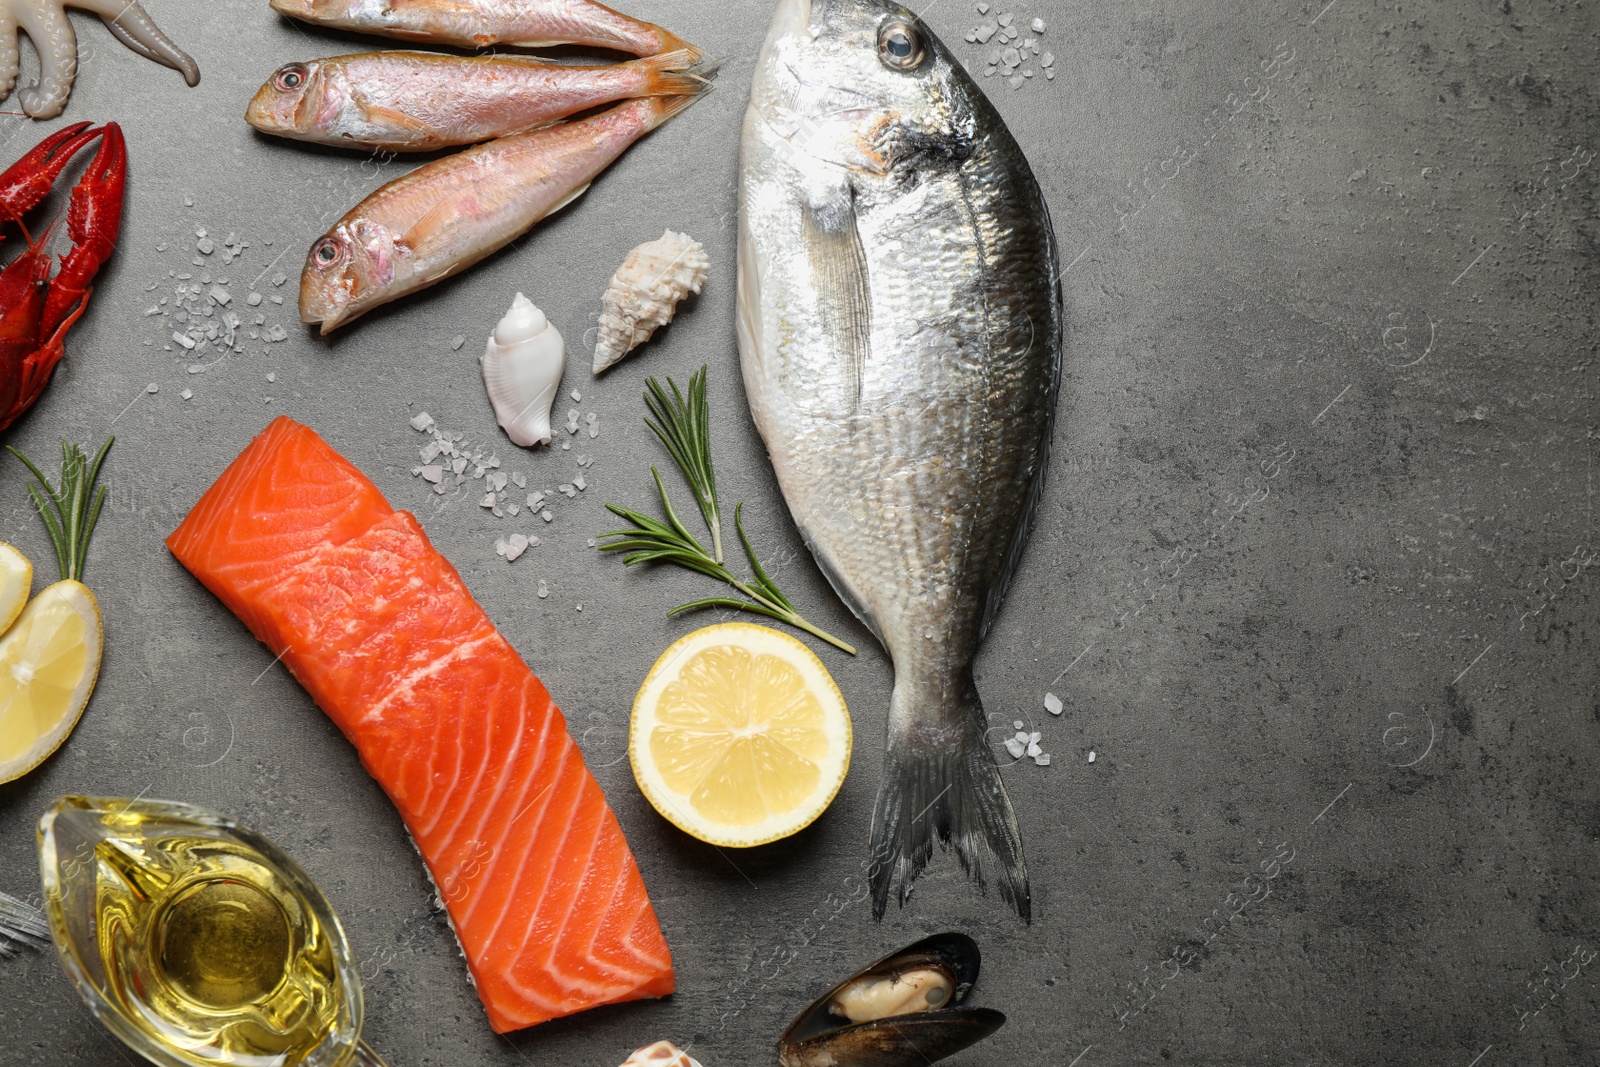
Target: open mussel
903,1011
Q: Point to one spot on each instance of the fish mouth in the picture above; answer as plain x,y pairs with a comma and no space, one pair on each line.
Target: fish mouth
326,321
318,311
261,113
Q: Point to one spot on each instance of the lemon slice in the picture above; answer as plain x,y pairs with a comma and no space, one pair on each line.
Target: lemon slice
739,735
16,580
48,664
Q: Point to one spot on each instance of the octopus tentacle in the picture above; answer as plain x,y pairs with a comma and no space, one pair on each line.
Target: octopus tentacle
134,27
131,41
8,53
47,27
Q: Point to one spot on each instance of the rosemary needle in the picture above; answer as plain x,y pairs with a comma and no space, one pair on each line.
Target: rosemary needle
681,420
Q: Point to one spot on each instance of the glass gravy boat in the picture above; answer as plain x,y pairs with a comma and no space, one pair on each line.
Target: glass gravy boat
197,941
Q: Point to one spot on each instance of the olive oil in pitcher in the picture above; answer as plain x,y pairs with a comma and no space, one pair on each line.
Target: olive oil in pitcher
195,940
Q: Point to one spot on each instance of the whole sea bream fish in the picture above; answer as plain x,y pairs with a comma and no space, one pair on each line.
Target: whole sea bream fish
480,23
448,214
420,101
900,328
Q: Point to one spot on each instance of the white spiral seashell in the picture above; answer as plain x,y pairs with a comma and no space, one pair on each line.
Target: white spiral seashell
522,369
645,293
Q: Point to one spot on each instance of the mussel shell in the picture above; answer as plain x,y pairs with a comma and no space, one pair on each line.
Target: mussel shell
901,1041
816,1038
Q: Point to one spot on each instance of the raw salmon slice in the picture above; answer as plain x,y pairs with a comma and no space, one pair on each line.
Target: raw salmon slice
544,894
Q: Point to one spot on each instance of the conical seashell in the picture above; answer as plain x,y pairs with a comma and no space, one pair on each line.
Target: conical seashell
645,293
661,1054
522,369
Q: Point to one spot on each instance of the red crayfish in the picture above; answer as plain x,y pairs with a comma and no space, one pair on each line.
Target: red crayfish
36,311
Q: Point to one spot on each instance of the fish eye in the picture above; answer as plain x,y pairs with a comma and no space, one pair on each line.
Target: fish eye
290,78
326,253
900,46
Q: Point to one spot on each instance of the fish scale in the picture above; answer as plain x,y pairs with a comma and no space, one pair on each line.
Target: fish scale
912,452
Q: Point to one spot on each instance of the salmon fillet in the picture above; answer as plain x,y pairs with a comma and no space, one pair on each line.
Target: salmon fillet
529,859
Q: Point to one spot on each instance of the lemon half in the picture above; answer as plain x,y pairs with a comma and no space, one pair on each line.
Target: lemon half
16,581
739,735
48,665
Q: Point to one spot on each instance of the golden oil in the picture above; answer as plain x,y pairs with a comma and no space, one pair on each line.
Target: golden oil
198,942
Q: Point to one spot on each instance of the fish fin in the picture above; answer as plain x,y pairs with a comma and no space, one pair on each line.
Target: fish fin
398,119
668,107
841,588
1030,506
579,191
954,791
674,74
839,273
436,225
671,42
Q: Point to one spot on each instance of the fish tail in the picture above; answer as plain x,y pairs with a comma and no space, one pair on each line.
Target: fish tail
680,73
954,791
671,43
661,109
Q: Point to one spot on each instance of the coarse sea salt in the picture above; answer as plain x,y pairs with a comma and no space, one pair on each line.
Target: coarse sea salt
1052,704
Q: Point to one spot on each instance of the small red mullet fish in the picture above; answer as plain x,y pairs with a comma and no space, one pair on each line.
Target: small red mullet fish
480,23
447,215
421,101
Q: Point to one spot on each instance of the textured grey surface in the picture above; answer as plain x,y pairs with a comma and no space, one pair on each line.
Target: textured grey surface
1322,508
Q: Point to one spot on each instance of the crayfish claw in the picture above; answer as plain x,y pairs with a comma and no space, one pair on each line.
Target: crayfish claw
26,183
94,221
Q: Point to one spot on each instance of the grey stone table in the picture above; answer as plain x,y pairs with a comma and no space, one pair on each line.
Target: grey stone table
1313,582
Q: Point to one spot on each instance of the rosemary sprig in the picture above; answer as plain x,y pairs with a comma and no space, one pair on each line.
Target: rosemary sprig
683,426
682,422
70,510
